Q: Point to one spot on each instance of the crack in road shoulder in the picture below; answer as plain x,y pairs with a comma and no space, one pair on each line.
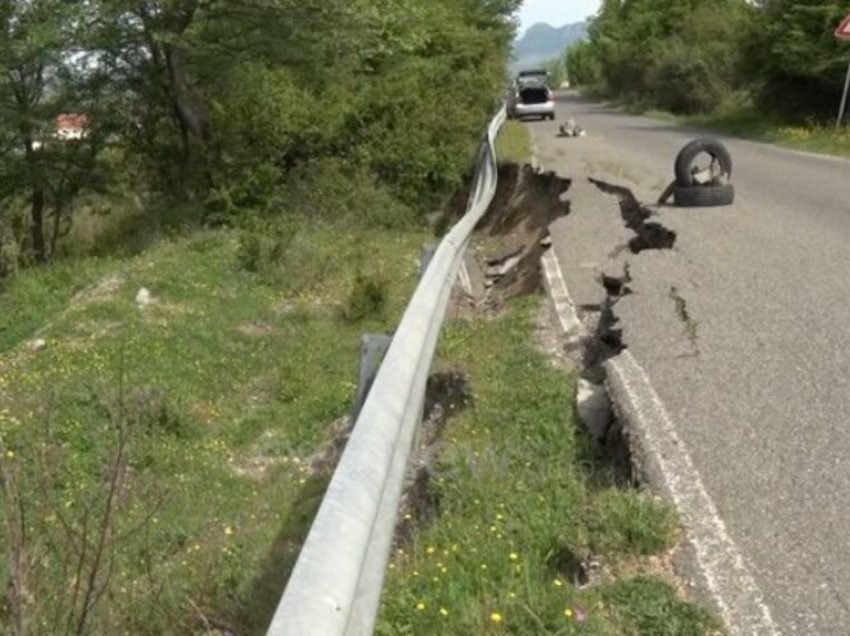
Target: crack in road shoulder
691,325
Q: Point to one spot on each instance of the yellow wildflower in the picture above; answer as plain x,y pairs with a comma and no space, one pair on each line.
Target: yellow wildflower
496,617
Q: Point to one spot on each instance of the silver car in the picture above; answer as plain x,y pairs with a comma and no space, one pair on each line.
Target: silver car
531,98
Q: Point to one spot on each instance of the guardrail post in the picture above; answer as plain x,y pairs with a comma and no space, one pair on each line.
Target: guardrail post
372,349
425,256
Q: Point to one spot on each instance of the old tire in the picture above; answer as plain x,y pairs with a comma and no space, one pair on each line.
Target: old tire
704,196
686,157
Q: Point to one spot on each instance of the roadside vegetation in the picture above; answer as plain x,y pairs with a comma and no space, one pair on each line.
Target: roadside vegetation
203,205
770,70
157,112
514,143
524,506
167,457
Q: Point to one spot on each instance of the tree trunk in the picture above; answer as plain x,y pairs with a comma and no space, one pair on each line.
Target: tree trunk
57,227
189,105
185,155
38,243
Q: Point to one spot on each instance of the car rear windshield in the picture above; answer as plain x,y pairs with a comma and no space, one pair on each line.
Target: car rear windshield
534,95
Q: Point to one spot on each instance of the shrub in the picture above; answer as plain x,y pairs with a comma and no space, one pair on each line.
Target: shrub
367,299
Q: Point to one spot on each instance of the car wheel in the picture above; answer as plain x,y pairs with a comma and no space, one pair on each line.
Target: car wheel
704,196
686,156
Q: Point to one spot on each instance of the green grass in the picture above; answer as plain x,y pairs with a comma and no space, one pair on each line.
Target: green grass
522,496
228,384
514,143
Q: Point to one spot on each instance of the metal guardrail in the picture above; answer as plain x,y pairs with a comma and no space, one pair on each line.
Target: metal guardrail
336,586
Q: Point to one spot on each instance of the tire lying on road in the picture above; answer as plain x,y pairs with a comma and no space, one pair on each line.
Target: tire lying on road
704,196
686,156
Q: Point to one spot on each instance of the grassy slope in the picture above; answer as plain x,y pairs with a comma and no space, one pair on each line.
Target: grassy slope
230,382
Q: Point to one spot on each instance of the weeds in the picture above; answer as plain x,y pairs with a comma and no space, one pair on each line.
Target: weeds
232,380
367,299
514,143
530,534
62,547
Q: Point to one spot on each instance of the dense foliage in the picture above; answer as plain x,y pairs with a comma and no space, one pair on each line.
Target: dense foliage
223,105
695,56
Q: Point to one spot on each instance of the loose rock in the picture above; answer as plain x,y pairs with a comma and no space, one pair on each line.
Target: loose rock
144,297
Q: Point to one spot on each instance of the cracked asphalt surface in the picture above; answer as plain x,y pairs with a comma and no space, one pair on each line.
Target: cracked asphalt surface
741,326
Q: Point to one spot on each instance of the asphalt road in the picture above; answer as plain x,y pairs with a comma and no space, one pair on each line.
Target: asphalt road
742,329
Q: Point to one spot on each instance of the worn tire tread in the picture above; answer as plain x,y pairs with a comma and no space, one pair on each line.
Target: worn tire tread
704,196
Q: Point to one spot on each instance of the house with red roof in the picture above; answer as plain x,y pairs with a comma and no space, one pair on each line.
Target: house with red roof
71,126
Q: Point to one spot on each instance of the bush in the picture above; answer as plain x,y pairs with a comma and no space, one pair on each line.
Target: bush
582,65
681,57
682,80
262,248
367,299
336,191
795,64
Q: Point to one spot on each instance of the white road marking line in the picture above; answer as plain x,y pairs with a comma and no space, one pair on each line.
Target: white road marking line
734,590
564,307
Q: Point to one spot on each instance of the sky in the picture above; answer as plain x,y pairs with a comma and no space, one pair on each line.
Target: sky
555,12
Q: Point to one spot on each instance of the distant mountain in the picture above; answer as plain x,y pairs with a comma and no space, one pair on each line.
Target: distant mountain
543,42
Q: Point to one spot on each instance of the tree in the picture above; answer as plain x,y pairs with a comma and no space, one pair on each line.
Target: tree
674,54
796,64
582,67
219,103
45,73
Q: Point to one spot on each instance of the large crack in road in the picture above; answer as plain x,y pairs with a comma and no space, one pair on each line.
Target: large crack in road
607,339
648,236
